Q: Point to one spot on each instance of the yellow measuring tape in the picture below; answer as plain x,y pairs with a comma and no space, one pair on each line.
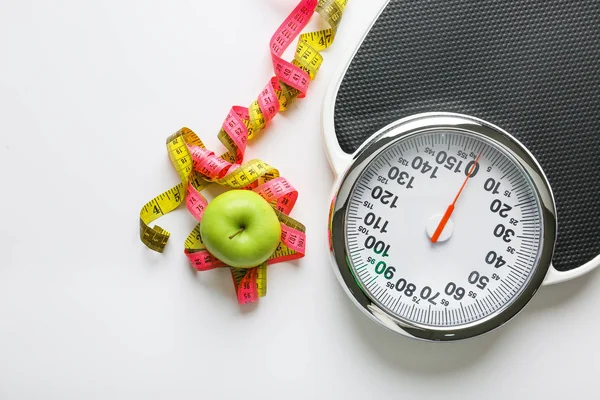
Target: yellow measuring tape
197,167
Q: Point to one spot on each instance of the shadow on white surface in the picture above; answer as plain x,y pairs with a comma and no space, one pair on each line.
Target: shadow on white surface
558,296
405,354
219,282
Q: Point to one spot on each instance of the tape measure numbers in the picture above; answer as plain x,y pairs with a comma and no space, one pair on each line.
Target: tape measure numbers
199,167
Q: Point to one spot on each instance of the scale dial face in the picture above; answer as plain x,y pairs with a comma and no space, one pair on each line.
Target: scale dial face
443,229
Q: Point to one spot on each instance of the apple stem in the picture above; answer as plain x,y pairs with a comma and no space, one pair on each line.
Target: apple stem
237,233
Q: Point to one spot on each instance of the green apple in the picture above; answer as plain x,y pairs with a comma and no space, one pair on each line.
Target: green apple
240,228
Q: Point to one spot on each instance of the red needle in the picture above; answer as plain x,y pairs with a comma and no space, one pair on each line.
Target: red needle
450,210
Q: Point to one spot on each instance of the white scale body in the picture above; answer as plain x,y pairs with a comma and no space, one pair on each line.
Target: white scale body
494,251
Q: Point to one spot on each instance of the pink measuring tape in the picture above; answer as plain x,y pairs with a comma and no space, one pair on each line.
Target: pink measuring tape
198,167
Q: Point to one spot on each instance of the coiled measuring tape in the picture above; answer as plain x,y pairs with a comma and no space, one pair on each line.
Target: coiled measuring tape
199,167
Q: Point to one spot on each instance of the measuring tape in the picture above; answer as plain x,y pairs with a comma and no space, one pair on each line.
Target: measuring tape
199,167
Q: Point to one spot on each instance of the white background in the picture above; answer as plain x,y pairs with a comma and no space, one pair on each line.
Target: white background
88,93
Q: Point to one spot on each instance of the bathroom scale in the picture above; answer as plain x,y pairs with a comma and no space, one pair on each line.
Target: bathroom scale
465,137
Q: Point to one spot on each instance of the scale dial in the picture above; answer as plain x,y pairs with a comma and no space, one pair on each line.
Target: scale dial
446,230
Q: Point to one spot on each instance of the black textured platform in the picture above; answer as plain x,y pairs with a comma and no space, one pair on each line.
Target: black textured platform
530,67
